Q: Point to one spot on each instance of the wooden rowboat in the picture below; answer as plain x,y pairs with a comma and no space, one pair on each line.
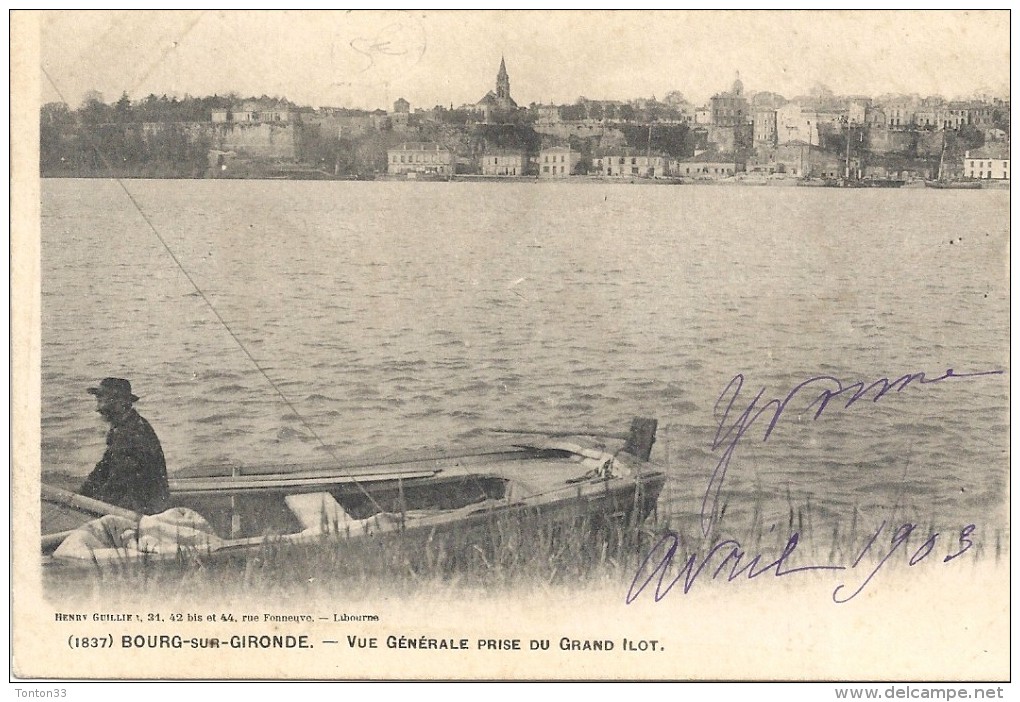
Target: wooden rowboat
564,478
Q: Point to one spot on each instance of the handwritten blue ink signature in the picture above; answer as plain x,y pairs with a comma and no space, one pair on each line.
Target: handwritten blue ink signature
829,388
729,553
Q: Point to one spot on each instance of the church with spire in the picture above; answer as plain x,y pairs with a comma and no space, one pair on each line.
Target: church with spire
498,104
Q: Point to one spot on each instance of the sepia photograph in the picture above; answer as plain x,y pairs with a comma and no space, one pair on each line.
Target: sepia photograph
512,345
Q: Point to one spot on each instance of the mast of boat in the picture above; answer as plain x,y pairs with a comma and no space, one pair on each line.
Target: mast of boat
942,156
648,149
846,174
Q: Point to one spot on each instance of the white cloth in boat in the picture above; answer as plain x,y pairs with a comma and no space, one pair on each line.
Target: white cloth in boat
320,513
113,537
592,459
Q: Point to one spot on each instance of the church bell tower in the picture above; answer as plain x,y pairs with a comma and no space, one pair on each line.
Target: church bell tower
502,81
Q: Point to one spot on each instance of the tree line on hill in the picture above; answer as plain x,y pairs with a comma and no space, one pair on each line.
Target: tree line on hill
150,137
144,138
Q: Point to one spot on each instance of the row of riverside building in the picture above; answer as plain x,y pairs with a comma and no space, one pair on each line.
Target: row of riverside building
415,159
429,158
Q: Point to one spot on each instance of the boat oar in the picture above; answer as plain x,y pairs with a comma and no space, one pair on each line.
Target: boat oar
85,504
561,433
82,504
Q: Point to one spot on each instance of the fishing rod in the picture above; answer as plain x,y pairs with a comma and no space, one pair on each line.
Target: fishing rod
233,335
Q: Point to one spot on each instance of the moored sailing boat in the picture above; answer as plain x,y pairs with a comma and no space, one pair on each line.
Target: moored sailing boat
941,182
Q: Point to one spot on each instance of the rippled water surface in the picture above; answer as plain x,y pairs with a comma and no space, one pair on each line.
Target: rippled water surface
394,316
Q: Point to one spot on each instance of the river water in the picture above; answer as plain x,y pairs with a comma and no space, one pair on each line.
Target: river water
396,316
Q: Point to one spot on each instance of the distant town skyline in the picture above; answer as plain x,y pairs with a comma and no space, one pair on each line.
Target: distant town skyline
368,59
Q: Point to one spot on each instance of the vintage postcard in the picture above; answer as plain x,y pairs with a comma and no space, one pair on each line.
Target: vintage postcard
512,345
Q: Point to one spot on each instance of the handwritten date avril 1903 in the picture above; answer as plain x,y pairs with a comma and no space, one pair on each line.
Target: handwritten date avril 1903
729,559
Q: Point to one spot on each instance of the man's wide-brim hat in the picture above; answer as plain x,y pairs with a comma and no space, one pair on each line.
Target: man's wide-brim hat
114,387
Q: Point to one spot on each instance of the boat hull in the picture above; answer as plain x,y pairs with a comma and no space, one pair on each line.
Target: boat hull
464,498
953,185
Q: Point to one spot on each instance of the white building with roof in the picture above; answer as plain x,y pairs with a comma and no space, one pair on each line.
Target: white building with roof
557,162
420,157
986,163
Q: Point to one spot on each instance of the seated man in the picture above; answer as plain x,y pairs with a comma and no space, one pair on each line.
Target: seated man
132,472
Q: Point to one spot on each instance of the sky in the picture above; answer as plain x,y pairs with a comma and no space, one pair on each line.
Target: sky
368,59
